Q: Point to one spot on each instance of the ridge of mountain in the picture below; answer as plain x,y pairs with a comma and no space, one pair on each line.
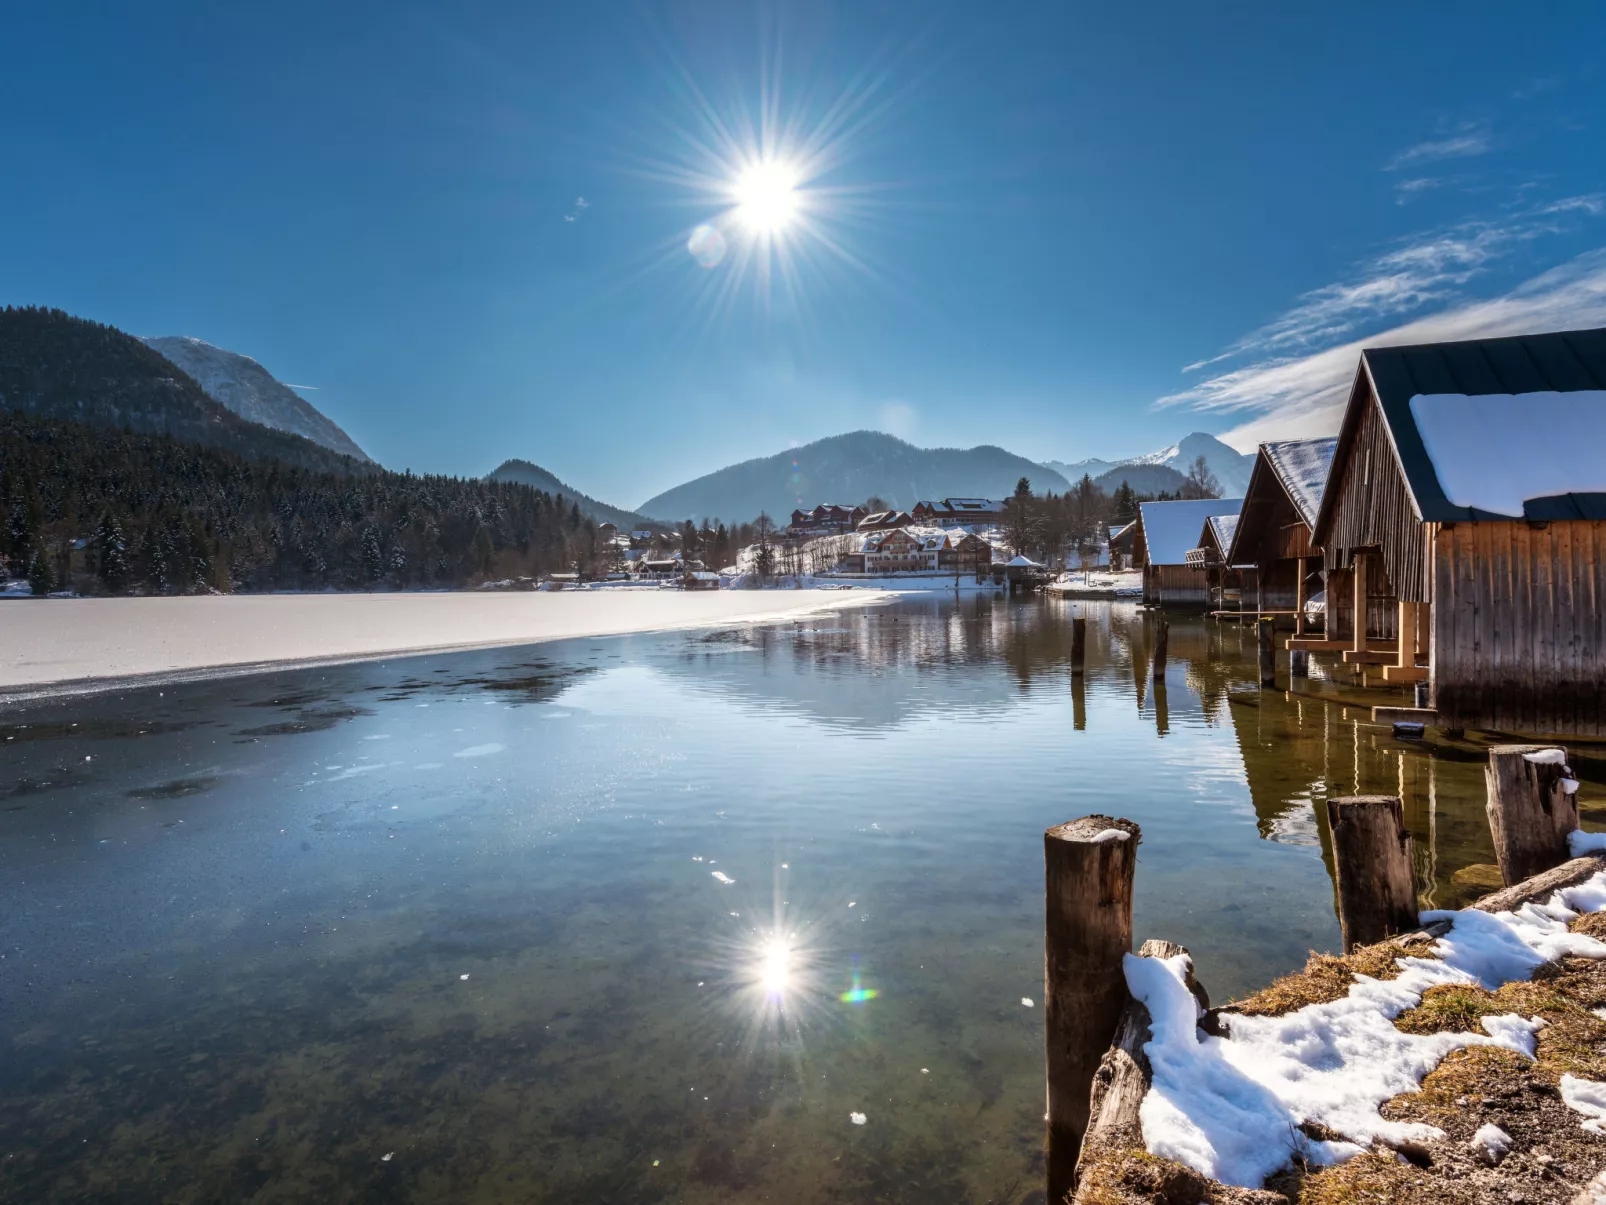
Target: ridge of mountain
849,468
56,366
1231,467
525,472
242,385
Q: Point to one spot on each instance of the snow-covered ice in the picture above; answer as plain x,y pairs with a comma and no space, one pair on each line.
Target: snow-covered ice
88,639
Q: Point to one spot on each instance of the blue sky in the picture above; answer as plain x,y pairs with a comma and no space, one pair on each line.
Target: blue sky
1069,230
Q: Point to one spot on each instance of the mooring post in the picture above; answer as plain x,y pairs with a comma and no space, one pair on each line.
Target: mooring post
1088,871
1078,645
1160,637
1268,654
1532,808
1079,702
1372,863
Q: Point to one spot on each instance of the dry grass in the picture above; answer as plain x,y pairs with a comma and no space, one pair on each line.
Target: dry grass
1327,977
1135,1177
1380,1177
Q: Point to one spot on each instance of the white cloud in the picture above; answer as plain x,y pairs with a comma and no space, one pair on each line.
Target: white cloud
1295,397
1467,142
900,419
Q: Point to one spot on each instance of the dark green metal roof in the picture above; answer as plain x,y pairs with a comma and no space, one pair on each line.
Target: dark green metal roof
1562,362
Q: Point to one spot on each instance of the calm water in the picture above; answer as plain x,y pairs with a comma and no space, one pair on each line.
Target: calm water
502,926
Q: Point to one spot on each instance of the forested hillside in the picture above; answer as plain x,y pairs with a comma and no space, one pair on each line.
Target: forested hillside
53,365
123,512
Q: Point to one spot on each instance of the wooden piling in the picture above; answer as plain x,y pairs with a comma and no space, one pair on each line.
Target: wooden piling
1530,810
1160,636
1298,663
1089,866
1079,703
1268,653
1078,645
1372,864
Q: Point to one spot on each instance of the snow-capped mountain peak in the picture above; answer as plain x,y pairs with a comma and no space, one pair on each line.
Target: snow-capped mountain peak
240,384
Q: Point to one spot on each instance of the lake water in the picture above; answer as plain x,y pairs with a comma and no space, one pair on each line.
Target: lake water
641,919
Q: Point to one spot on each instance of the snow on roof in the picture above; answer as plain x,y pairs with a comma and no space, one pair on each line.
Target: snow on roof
1025,561
1223,526
1495,451
1171,528
1302,465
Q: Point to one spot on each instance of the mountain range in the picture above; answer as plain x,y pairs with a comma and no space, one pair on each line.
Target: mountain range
1165,469
525,473
242,385
55,366
849,469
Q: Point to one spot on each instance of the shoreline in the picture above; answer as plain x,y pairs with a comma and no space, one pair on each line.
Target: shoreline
73,647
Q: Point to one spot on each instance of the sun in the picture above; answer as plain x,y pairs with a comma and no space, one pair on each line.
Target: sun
767,196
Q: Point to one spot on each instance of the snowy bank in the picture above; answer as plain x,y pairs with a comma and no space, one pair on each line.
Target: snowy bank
1247,1093
79,643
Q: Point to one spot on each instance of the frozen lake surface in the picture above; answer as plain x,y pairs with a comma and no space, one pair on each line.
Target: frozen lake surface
749,913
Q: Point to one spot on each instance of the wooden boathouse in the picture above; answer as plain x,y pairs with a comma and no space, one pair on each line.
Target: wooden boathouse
1463,527
1274,530
1229,586
1166,532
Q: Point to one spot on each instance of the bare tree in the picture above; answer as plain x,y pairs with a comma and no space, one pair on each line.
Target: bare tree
1200,481
764,546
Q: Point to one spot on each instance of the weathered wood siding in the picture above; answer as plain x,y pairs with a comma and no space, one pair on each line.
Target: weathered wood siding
1373,509
1519,642
1175,586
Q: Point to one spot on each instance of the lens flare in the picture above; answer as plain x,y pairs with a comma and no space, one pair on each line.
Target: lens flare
707,246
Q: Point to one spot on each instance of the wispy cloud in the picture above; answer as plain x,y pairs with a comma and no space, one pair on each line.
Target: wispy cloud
580,206
1294,398
1467,142
314,388
1293,375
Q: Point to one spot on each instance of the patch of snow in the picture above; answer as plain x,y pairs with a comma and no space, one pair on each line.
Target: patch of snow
1580,843
1496,451
480,750
721,877
1230,1107
1546,757
1490,1144
1586,1097
1302,466
857,1119
1026,1001
1111,834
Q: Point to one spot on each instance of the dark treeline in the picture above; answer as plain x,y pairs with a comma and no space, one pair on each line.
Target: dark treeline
109,511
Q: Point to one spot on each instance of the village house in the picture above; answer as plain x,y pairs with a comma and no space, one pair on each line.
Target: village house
1166,532
885,520
897,551
958,512
1463,527
1120,537
827,517
1275,526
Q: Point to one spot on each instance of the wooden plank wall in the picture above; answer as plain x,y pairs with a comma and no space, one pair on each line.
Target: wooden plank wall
1519,639
1279,581
1179,586
1382,605
1374,510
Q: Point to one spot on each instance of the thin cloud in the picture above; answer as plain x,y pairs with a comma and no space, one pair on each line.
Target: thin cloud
1468,142
580,206
1302,396
314,388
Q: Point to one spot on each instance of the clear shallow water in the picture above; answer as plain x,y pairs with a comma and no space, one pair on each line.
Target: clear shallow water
470,911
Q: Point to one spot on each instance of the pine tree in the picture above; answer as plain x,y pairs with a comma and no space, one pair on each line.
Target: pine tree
41,579
112,548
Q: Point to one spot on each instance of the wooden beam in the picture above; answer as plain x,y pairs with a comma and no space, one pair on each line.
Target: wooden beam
1314,644
1406,641
1299,596
1359,603
1405,673
1409,715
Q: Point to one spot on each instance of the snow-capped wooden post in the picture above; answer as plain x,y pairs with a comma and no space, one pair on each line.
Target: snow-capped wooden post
1532,808
1089,866
1268,653
1160,636
1078,645
1372,863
